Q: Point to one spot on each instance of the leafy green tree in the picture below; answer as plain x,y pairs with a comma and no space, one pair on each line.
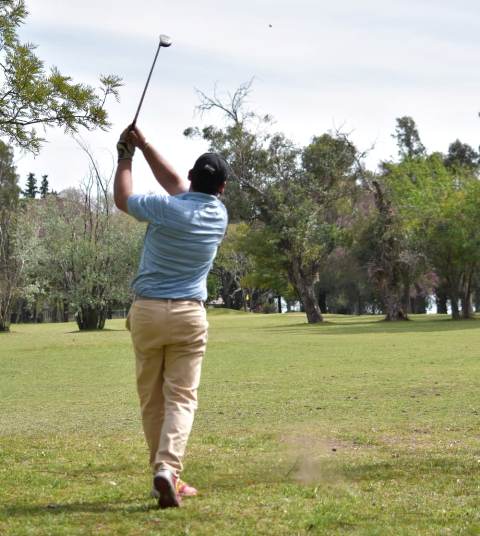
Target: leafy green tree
248,270
454,245
30,97
260,270
384,251
11,266
463,156
230,267
390,244
31,189
87,251
299,196
268,277
345,287
442,209
408,139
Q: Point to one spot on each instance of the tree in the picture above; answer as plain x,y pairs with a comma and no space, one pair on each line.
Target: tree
251,271
87,251
453,244
462,155
267,278
441,208
344,287
11,267
30,97
383,251
230,266
408,138
44,187
300,196
31,189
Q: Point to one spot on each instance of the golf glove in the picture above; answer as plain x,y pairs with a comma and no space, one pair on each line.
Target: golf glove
125,149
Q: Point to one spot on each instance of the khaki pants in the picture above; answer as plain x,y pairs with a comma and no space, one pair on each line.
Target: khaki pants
169,338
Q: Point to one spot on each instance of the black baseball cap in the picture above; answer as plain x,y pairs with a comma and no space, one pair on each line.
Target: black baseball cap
209,172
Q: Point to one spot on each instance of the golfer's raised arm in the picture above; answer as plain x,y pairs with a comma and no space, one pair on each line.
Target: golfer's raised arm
165,175
122,185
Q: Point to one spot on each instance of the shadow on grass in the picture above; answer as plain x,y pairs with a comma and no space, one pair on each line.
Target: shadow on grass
53,509
90,331
367,327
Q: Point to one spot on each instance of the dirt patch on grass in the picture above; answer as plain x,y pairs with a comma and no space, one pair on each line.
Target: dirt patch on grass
313,459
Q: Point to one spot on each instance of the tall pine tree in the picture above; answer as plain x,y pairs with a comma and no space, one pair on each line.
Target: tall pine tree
44,187
31,189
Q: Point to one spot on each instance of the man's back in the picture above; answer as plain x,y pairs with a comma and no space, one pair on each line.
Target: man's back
180,243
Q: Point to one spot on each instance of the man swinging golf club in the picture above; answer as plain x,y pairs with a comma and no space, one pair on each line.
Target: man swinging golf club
167,320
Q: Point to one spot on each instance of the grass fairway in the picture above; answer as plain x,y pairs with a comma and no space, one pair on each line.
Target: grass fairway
353,427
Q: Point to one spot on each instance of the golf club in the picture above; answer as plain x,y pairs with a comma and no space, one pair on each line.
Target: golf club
164,41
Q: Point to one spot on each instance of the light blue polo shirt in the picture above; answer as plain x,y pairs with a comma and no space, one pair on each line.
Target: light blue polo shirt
181,241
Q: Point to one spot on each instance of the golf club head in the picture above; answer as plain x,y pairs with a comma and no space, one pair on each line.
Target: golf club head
165,41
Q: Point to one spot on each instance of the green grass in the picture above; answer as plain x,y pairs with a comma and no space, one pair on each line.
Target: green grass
353,427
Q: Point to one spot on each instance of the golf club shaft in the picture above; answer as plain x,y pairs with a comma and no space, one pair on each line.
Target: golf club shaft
132,126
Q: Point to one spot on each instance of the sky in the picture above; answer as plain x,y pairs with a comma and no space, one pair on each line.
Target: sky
317,65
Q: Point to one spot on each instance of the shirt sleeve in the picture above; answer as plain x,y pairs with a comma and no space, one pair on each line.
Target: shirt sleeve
147,207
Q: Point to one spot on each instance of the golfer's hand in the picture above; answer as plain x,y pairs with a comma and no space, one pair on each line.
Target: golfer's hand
136,136
125,147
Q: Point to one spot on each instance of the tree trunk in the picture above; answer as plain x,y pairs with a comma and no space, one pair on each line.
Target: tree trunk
91,318
477,300
455,310
5,313
466,299
453,288
359,305
441,300
419,306
304,285
65,311
391,278
312,309
322,301
394,310
393,297
231,292
467,310
406,299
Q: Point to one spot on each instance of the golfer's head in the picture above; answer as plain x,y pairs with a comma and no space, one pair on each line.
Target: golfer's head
209,174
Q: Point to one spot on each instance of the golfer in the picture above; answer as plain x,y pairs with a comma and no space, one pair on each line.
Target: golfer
167,320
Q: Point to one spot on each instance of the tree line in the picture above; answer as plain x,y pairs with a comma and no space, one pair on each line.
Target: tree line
68,253
314,224
308,224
